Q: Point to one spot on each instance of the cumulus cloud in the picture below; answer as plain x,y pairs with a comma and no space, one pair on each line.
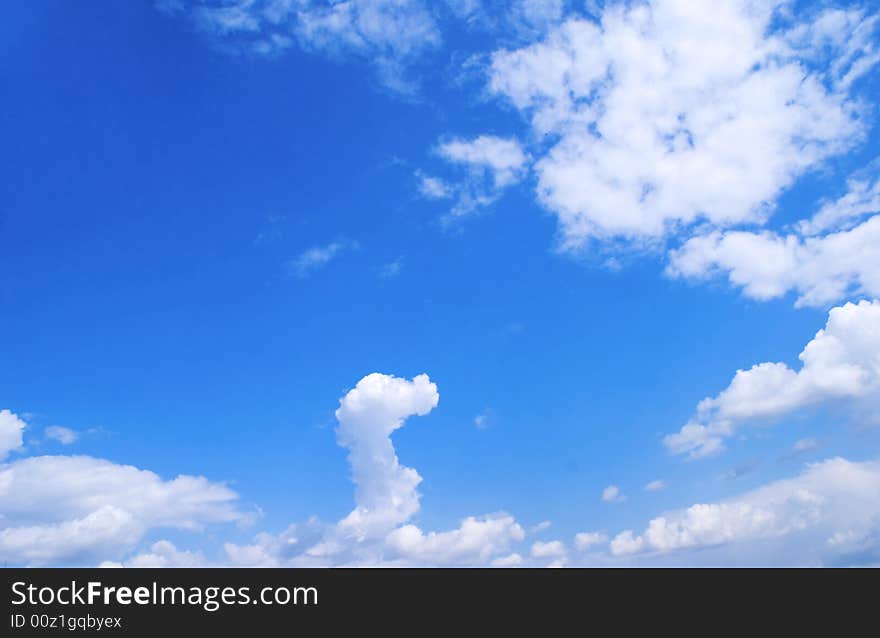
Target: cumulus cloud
767,265
64,436
669,112
474,542
833,255
511,560
378,531
79,509
550,549
11,430
162,554
386,491
835,500
585,540
842,362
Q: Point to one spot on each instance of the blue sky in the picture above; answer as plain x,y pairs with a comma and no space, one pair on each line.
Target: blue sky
220,216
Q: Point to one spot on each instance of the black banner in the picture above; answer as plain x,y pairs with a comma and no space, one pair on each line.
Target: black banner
155,602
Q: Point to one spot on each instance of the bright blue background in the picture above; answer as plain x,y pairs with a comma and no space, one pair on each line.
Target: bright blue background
153,192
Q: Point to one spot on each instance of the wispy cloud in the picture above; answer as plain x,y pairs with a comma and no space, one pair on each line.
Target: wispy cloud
315,258
655,486
391,269
62,435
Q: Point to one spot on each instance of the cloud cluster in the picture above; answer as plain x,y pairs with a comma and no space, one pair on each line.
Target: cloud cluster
79,509
828,510
820,268
669,112
842,362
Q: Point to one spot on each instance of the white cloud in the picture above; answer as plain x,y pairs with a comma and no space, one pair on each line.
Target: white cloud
504,159
841,362
511,560
833,255
626,543
79,509
835,499
164,554
612,494
862,198
549,549
670,112
585,540
390,34
767,265
378,531
655,486
434,187
476,541
63,435
386,491
317,257
11,429
491,165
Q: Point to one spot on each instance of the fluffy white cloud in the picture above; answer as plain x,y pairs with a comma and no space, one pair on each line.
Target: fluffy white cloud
585,540
841,362
386,491
163,554
76,509
612,494
832,504
555,551
626,543
767,265
476,541
11,429
65,436
511,560
669,112
377,531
